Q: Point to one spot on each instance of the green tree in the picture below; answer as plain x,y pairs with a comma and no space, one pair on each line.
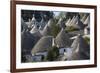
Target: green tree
56,51
52,54
55,30
87,39
71,28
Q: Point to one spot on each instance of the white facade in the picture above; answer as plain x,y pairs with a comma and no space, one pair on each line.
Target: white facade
86,31
62,50
67,52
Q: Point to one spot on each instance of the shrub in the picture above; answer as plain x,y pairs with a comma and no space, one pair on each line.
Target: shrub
87,39
52,54
71,28
54,28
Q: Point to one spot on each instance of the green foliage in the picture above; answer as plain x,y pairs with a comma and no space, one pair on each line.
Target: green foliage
56,50
54,28
87,39
82,14
52,54
70,29
62,15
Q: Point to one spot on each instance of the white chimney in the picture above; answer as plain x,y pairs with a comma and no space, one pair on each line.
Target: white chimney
53,42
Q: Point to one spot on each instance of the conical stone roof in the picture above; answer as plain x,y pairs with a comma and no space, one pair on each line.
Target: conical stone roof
84,18
46,31
62,39
71,21
81,48
74,21
34,29
87,21
78,24
37,35
61,23
27,40
44,44
68,22
50,23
